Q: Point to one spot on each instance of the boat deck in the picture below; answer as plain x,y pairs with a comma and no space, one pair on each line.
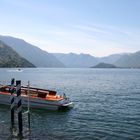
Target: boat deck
37,94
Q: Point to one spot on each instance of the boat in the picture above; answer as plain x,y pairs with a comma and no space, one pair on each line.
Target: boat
15,70
37,97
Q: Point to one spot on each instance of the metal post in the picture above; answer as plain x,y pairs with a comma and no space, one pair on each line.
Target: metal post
12,102
29,105
19,106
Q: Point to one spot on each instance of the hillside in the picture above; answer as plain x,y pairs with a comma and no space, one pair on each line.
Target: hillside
9,58
129,61
76,60
42,58
32,53
123,60
104,65
85,60
111,59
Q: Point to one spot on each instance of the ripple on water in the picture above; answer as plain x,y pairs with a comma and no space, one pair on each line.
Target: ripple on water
106,104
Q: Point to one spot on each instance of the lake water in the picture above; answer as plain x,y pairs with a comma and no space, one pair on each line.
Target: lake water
107,104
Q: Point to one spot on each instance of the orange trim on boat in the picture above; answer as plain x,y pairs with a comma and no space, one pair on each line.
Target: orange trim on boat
48,97
7,93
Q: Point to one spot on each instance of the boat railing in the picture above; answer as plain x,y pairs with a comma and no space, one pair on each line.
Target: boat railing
39,91
36,92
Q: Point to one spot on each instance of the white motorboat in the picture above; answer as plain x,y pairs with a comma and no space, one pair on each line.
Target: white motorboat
39,98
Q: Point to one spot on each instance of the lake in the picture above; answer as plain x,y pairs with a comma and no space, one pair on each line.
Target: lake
106,104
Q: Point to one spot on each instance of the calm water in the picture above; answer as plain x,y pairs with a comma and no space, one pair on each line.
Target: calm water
107,104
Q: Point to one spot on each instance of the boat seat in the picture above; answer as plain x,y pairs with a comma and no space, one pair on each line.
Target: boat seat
42,95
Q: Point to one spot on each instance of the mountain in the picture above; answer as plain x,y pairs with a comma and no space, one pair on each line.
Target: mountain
104,65
85,60
123,60
73,60
32,53
9,58
111,59
42,58
129,60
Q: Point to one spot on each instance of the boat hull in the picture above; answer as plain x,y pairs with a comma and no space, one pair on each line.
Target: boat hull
38,103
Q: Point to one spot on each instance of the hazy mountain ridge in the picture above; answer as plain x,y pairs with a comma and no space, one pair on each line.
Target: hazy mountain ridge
129,60
124,60
85,60
9,58
32,53
42,58
76,60
111,59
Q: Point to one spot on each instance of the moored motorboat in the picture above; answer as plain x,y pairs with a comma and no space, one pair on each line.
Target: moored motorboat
39,98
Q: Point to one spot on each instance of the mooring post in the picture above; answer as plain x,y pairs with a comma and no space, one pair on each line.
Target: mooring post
12,102
19,106
29,105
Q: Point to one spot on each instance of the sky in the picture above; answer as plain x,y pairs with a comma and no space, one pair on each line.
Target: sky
96,27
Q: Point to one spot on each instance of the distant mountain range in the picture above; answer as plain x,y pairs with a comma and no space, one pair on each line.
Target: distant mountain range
129,60
85,60
9,58
32,53
73,60
111,58
41,58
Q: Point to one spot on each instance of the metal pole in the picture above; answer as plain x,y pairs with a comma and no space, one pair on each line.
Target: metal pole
29,105
12,102
19,107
